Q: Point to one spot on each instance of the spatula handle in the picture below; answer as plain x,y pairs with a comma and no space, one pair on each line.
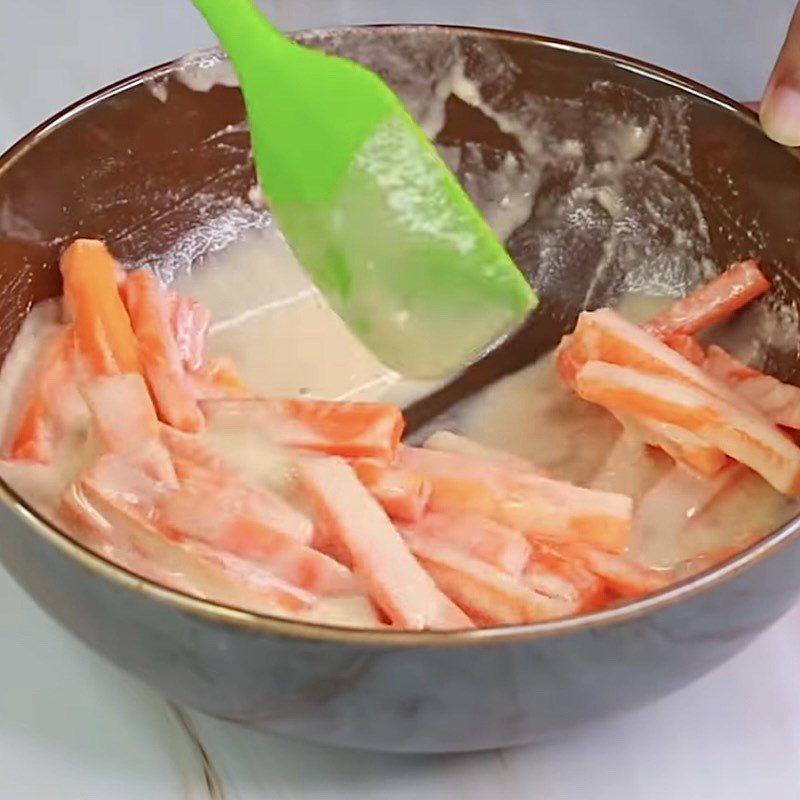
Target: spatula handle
243,31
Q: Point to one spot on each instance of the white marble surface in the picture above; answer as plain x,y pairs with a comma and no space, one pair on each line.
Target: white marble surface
74,728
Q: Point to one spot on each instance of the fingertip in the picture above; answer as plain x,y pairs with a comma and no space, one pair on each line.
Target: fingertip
780,115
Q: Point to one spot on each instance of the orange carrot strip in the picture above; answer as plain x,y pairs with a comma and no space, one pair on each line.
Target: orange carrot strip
683,446
568,361
723,365
293,599
123,411
126,422
549,557
555,586
458,485
119,501
218,378
103,335
294,562
624,576
403,494
214,524
604,335
529,503
189,322
487,595
351,430
777,400
189,470
147,305
396,582
52,377
124,485
713,301
190,447
344,612
216,501
747,438
498,545
449,442
688,347
232,522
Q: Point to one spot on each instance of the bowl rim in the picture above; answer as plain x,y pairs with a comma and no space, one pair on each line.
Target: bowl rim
386,638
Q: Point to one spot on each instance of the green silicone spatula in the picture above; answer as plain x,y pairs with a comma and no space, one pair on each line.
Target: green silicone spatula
370,209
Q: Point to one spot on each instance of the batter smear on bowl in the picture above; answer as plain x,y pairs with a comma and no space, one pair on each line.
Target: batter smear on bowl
160,454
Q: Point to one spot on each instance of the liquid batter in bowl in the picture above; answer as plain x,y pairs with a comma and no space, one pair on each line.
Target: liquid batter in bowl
275,480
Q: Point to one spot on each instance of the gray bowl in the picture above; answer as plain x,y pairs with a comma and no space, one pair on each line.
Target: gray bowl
160,168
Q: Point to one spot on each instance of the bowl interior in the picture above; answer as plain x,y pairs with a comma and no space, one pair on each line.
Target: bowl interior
604,176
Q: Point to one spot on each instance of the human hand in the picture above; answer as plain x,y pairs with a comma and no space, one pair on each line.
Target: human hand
780,106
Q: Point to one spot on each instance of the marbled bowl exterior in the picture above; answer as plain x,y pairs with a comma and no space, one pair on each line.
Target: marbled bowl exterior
128,165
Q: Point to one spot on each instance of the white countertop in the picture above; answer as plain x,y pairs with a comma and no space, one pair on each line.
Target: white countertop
74,728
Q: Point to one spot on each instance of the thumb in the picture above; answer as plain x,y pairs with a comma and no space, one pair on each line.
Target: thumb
780,107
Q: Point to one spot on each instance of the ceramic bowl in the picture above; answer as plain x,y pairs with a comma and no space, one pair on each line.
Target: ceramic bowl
158,166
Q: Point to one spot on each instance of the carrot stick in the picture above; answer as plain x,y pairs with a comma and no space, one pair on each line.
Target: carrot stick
351,430
604,335
120,502
218,378
745,437
568,361
396,582
216,524
458,485
103,334
777,400
498,545
126,422
549,556
555,586
533,504
211,501
683,446
713,301
292,600
146,302
347,612
189,322
626,577
487,595
232,522
688,347
190,447
33,434
122,484
403,494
